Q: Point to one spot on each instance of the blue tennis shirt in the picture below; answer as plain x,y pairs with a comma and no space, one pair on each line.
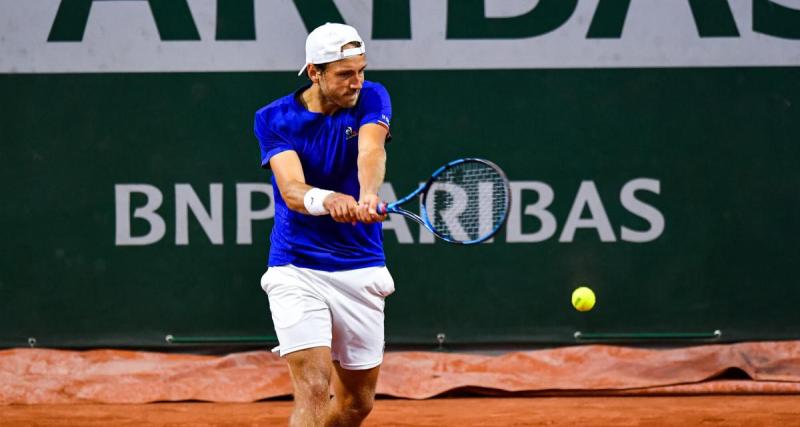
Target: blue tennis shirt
327,146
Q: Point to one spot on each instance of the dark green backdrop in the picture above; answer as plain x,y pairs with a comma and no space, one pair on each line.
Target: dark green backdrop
722,142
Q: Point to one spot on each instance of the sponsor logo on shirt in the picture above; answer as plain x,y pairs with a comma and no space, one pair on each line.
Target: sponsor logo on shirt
349,133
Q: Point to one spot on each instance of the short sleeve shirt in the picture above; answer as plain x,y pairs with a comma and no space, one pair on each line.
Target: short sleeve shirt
327,146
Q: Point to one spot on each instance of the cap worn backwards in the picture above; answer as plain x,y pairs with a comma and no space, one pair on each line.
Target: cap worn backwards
324,44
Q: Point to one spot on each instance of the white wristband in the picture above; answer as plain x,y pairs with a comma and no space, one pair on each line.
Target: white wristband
313,201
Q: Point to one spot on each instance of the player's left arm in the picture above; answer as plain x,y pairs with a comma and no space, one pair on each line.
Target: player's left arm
371,170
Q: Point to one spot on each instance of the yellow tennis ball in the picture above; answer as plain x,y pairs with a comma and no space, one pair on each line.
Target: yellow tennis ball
583,299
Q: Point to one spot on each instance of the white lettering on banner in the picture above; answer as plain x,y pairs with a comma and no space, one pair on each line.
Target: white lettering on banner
58,36
547,229
122,199
245,215
448,217
598,219
650,214
395,223
425,236
486,208
186,199
586,198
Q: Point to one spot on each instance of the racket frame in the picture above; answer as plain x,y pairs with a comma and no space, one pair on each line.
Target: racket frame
422,192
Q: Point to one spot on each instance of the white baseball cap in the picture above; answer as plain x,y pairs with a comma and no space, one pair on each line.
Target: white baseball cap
324,44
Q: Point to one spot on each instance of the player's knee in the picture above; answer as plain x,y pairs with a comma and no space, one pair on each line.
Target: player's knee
354,414
359,407
364,407
316,390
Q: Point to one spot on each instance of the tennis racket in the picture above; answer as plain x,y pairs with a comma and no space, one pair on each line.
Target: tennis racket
466,201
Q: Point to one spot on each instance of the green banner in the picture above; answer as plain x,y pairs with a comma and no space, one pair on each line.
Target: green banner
134,206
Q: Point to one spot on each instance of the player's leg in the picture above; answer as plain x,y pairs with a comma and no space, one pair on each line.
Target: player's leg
353,396
303,325
310,370
358,340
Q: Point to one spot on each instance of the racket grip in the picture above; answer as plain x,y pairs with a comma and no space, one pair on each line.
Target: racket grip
382,208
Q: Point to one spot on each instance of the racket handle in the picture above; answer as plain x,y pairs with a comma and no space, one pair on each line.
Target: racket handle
382,208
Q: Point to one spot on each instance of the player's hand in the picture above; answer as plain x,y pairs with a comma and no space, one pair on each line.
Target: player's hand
342,207
368,209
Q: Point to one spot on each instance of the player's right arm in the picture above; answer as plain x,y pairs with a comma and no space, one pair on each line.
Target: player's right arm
288,172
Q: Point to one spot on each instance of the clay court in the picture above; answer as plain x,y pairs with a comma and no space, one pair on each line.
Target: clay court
683,411
745,384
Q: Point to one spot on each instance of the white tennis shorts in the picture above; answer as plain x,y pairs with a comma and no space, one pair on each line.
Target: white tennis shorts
342,310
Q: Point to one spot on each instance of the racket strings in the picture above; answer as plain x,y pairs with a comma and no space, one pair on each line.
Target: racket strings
468,201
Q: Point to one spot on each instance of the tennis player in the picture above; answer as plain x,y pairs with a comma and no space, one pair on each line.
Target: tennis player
326,278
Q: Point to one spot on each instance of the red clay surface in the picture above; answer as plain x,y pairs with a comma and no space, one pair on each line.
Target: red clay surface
686,411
